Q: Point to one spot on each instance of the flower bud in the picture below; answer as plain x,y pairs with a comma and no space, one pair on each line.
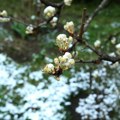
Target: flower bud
71,62
54,21
70,39
49,11
67,2
113,40
56,61
63,59
95,74
69,26
49,68
97,43
29,29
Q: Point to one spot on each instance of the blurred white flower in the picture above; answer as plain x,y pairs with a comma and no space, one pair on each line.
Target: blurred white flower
49,68
29,29
97,43
118,47
95,74
112,54
113,40
3,16
68,2
33,17
3,13
54,21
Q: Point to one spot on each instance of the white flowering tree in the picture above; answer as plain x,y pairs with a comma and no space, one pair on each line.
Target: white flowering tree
73,85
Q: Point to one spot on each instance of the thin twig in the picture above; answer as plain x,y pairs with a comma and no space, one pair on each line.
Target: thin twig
17,20
92,48
97,61
82,23
100,7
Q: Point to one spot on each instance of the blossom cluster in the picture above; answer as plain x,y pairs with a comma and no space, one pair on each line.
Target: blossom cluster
61,63
63,42
49,12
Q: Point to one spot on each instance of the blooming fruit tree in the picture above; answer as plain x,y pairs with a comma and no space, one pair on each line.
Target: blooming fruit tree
69,41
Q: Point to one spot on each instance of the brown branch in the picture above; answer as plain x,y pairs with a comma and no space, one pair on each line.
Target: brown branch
99,53
82,23
97,10
85,25
109,58
97,61
104,57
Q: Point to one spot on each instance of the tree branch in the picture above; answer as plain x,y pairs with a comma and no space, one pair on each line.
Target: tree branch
82,23
100,7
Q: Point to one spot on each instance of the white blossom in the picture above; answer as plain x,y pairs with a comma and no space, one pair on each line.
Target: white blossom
69,26
49,11
54,21
63,42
